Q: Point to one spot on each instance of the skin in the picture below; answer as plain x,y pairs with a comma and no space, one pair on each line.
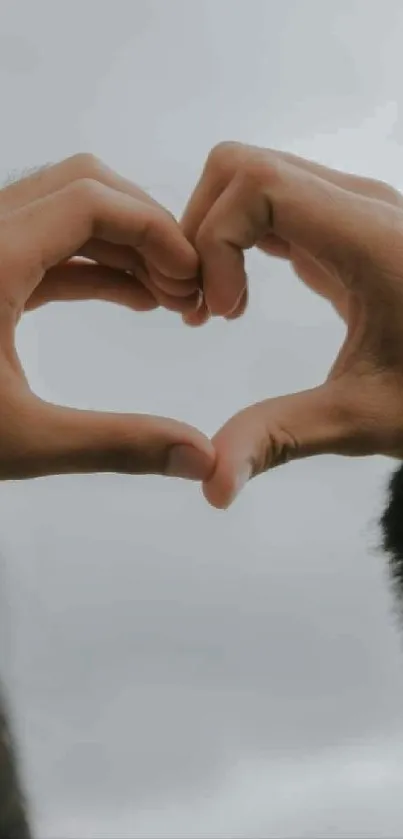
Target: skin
343,235
78,231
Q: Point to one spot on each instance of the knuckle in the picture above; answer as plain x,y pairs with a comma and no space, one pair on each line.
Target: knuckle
148,228
276,444
12,265
280,448
206,236
258,169
389,194
383,191
11,251
223,155
251,163
86,191
86,165
85,198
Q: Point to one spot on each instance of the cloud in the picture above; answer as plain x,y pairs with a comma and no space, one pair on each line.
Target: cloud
353,791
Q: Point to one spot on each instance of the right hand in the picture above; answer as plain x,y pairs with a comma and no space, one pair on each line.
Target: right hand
344,237
77,231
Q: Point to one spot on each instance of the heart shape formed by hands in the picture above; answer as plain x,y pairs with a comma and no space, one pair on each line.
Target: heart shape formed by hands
79,231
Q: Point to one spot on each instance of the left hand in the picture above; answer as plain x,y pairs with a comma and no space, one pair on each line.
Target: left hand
78,231
115,274
343,235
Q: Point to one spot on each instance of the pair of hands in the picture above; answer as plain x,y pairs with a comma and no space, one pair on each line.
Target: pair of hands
78,231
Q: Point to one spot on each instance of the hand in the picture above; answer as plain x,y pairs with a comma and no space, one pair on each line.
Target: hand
343,236
72,232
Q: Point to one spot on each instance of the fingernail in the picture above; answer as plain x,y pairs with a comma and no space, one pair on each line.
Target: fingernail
188,462
242,478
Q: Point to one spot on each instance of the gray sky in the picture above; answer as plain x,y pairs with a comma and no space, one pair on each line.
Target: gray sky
177,671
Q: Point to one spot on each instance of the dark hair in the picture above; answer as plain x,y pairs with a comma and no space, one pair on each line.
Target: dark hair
391,523
13,803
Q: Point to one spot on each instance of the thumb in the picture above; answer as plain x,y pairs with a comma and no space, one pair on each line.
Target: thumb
274,432
60,440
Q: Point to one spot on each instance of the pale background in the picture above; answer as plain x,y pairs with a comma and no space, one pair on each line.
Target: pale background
176,671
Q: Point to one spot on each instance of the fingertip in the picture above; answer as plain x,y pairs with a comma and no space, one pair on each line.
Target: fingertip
198,317
223,489
189,462
235,460
212,498
240,307
184,305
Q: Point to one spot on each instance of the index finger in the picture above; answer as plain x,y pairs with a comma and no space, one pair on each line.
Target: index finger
57,227
271,196
221,164
237,221
45,181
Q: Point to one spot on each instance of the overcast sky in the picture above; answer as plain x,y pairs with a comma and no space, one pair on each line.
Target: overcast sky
178,671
